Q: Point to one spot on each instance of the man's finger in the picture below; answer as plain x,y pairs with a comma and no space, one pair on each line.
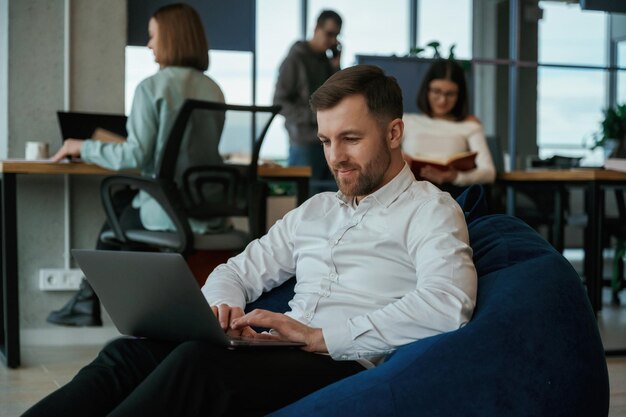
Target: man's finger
223,315
261,318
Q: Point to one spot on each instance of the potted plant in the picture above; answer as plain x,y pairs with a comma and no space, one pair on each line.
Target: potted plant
612,134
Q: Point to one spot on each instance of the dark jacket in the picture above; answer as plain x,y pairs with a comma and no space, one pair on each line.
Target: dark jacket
300,74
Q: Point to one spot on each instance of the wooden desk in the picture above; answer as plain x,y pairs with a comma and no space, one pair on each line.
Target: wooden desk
563,175
9,303
594,182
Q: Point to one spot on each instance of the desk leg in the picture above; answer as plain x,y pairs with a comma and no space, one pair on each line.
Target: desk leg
9,305
593,245
302,186
558,228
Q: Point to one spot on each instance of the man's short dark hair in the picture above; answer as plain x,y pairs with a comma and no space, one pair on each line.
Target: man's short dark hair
382,92
328,14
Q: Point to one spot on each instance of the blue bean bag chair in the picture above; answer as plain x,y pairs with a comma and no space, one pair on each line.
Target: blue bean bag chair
532,347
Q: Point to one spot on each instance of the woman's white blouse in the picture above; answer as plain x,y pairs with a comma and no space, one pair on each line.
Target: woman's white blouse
439,138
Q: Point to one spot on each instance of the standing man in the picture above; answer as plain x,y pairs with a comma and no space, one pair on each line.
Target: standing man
304,70
381,263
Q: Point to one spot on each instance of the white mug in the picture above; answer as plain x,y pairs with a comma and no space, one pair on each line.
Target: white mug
36,150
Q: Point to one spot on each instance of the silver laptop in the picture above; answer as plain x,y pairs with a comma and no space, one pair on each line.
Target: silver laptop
155,295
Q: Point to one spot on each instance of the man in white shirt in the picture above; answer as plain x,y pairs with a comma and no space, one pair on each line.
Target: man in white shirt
382,263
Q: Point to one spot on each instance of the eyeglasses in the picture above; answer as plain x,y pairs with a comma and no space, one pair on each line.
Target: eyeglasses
448,95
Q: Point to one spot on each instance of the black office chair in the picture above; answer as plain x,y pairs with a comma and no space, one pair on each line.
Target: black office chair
199,192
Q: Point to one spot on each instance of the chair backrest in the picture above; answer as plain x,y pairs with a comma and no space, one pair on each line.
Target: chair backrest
192,181
219,113
211,187
166,166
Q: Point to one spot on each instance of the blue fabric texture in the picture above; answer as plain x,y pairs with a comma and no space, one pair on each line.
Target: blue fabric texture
532,347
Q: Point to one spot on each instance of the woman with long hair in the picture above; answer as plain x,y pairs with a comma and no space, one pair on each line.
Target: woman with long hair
445,128
179,44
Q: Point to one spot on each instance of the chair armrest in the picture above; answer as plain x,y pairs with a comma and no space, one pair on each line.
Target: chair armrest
165,193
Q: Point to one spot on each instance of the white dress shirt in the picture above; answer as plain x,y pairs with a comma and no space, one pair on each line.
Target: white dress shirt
440,138
393,269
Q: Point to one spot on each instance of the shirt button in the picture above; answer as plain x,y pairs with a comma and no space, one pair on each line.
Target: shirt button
307,315
333,276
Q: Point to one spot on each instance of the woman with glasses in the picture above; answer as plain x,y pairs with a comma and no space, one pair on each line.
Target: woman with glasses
445,128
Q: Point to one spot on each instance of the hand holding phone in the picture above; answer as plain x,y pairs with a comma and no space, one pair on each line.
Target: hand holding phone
336,50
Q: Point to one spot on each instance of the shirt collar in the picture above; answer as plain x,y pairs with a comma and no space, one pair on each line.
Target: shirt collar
389,192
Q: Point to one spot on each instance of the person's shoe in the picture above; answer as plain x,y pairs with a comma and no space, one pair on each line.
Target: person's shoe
82,310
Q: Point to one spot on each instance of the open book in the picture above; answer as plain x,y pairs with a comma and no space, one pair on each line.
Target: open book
462,161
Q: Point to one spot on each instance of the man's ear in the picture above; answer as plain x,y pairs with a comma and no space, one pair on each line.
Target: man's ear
395,133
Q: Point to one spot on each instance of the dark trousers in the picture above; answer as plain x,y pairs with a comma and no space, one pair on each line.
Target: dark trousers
139,377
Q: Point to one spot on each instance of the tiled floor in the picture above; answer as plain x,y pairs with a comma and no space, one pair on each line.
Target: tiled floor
617,379
46,368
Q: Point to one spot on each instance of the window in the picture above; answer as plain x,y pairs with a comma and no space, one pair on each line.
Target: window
139,65
570,100
447,22
561,40
231,70
272,47
569,106
369,26
621,75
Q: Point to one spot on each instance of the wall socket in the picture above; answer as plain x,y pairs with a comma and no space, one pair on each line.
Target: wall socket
60,279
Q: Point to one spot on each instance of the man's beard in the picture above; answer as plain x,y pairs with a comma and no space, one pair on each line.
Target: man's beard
369,176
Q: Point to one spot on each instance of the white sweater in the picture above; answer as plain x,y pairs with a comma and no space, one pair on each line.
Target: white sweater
439,138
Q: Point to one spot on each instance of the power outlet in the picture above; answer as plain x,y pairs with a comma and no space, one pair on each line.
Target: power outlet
59,279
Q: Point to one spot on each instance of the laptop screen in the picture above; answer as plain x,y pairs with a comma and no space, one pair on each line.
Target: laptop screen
83,125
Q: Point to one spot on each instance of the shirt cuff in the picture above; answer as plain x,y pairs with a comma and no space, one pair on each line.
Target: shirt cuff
340,340
220,295
87,149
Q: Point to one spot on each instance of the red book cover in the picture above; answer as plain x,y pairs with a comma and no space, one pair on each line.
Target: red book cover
463,161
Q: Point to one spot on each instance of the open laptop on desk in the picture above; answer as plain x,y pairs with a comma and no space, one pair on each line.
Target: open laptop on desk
77,125
155,295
